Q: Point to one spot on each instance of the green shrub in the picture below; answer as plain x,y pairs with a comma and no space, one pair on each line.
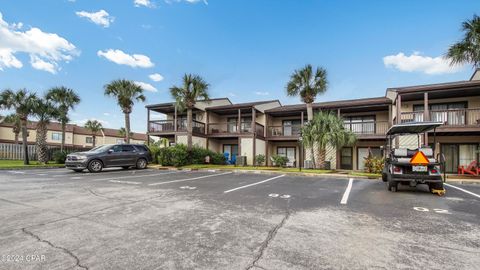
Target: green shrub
154,150
164,156
260,160
374,164
218,158
59,157
198,154
279,161
179,156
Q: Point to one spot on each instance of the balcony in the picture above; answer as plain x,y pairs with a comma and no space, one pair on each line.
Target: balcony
285,132
229,129
450,117
368,129
167,126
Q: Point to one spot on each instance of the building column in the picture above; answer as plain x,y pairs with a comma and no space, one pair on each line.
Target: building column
338,112
175,120
207,121
426,116
254,130
399,117
390,115
301,116
239,120
148,126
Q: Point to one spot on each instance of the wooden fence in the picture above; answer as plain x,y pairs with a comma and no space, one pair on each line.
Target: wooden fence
12,151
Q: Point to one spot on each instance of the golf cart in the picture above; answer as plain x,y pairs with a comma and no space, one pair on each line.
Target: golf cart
412,166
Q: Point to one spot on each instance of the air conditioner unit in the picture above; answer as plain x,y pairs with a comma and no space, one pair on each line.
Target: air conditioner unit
308,164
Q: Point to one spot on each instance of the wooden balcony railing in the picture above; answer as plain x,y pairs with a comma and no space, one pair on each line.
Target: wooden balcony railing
259,130
450,117
166,126
230,128
368,128
284,131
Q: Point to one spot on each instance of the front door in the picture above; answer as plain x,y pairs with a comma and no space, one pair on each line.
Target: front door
346,160
450,151
230,151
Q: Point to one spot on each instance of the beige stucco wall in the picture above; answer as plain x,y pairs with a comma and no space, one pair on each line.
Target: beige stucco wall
247,149
199,141
259,147
331,155
6,133
267,106
182,139
215,145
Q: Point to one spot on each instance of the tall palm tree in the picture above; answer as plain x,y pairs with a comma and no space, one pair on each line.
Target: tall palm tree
309,137
123,132
467,50
307,84
22,103
193,88
327,129
126,92
94,126
44,111
65,99
17,125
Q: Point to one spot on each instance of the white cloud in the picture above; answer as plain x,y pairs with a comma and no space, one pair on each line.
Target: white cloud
100,17
259,93
47,49
232,94
156,77
419,63
188,1
121,58
38,63
106,114
144,3
146,86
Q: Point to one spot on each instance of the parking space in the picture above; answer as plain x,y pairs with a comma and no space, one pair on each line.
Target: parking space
130,219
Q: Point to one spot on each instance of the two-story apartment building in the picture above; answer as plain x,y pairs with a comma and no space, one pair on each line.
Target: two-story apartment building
75,136
267,127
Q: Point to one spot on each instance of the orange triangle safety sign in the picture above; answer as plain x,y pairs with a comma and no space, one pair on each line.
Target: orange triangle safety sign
419,158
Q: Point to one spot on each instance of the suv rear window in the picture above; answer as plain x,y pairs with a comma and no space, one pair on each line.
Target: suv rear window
127,148
142,148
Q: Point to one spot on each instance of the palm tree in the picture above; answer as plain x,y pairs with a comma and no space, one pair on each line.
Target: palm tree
17,125
123,132
44,111
126,92
94,126
327,129
309,137
467,50
65,99
193,88
307,85
22,102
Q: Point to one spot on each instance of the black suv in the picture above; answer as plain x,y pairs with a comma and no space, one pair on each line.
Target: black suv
117,155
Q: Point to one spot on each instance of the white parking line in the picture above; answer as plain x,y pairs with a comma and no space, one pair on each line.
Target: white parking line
188,179
347,192
464,190
125,182
253,184
132,176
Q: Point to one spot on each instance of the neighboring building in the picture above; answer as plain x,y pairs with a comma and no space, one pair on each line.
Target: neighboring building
75,136
225,127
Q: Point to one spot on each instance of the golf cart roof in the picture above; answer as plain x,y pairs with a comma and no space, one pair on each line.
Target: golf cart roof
413,127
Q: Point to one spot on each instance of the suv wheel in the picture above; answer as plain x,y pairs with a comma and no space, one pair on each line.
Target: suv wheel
95,166
141,163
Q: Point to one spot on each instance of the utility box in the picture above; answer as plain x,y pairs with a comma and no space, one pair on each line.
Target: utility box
241,161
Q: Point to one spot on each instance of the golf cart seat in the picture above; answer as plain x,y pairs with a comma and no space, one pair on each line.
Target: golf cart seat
404,152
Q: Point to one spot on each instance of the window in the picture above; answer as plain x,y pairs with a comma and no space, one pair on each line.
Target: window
127,148
449,113
88,139
288,152
360,124
56,136
291,127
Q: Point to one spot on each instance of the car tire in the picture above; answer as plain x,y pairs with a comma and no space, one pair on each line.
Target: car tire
95,166
392,186
125,167
437,186
141,164
78,170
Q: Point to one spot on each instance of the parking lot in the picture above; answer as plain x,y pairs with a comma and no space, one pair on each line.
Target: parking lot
151,219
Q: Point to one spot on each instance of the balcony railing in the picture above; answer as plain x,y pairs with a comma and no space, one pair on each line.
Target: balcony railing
284,131
228,128
450,117
165,126
368,128
259,129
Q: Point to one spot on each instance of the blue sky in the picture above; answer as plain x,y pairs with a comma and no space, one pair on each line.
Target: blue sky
245,49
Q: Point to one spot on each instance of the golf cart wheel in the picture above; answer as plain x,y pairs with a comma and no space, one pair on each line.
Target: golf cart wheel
384,177
392,186
95,166
436,188
141,164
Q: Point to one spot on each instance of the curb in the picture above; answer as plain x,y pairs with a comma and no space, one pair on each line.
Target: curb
32,168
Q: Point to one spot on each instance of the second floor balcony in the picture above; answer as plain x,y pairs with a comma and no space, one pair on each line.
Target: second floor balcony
368,129
450,117
168,126
232,128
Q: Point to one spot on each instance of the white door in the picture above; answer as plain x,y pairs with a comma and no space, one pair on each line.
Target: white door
362,155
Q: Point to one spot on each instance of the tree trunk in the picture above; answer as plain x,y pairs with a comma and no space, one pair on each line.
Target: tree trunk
16,136
127,127
189,129
94,140
309,112
26,161
63,136
41,141
322,153
313,157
